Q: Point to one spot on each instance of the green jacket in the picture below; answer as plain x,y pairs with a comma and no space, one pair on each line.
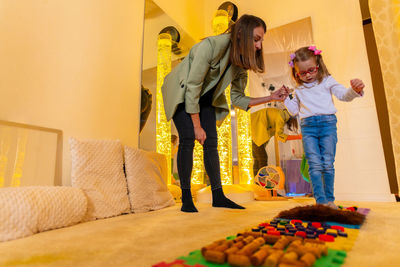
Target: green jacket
201,70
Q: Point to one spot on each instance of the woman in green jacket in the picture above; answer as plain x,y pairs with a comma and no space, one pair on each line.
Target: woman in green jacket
194,98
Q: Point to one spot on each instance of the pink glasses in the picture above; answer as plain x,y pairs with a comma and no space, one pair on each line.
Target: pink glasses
309,71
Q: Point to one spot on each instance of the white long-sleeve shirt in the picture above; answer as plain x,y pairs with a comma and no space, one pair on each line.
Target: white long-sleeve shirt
312,99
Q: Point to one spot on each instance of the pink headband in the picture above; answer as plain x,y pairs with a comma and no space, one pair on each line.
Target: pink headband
316,51
312,48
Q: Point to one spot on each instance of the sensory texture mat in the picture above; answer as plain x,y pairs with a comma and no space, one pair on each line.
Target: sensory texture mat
306,236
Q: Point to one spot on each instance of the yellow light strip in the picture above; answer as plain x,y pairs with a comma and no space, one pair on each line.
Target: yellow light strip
225,145
20,159
245,157
163,127
198,166
220,24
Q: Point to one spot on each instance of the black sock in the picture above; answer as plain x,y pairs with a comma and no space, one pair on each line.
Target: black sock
220,200
187,201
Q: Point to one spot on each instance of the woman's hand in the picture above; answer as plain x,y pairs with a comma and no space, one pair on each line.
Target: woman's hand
357,85
278,95
200,135
281,94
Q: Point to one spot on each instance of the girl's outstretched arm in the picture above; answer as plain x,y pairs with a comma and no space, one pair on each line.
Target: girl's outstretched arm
342,93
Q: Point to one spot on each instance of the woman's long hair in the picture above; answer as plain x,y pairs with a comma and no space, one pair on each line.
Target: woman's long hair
242,52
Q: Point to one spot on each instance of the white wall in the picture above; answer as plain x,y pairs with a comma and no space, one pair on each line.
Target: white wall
337,25
72,65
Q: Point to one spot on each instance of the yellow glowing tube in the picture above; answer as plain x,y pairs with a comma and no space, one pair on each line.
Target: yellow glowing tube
198,166
220,21
20,159
245,156
225,145
220,25
163,127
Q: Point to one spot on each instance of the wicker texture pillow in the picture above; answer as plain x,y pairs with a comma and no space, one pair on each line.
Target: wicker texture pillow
146,173
28,210
97,168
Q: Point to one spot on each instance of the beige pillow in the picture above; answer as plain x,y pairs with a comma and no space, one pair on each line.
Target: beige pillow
146,173
28,210
97,168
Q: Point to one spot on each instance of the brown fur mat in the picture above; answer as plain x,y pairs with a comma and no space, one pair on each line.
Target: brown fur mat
321,213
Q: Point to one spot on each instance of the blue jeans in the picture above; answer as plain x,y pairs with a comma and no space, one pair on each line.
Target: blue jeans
319,141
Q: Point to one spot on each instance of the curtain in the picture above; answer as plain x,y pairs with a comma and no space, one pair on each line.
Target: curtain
385,15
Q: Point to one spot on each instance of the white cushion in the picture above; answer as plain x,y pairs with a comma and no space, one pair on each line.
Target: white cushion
146,173
25,211
97,168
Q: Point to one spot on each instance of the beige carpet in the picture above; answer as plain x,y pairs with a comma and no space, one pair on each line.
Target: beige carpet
148,238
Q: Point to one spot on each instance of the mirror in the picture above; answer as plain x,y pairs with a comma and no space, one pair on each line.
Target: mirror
157,21
29,155
278,44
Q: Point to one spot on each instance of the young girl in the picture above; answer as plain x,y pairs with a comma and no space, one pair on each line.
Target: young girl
313,102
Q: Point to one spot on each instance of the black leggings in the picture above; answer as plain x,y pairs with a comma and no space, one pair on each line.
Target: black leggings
184,125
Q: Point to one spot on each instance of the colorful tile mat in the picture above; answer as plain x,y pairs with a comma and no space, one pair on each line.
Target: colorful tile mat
337,249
